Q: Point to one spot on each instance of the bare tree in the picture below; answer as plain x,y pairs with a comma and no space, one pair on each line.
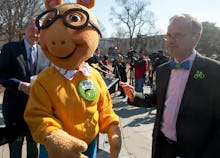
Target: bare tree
13,13
209,43
121,33
135,18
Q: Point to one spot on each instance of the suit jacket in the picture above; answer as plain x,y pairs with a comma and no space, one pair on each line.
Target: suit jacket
198,120
14,68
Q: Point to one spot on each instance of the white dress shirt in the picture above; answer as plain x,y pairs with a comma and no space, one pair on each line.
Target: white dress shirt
175,90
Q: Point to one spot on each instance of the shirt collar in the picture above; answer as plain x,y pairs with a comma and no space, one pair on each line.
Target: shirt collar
28,46
69,74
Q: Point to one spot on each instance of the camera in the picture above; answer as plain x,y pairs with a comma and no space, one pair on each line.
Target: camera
132,55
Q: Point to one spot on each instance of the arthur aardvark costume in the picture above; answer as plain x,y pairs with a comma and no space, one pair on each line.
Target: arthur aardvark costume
69,102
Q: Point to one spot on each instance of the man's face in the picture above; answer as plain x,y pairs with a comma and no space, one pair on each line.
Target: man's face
32,34
180,42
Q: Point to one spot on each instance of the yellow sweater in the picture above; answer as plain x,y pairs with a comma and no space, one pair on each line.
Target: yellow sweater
54,103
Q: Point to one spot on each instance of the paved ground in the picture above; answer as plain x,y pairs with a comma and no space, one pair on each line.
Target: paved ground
136,128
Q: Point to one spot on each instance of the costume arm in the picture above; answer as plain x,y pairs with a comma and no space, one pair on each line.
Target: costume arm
39,113
109,121
107,115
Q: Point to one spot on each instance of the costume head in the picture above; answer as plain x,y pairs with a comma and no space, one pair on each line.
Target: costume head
69,33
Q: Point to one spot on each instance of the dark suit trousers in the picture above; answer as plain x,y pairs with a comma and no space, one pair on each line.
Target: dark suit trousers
16,147
165,147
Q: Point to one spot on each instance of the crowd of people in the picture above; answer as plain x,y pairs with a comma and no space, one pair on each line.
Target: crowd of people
137,68
185,95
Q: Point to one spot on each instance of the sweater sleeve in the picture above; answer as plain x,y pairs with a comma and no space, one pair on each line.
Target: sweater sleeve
107,115
39,113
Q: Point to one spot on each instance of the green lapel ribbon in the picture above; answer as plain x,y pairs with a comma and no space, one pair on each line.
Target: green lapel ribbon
199,75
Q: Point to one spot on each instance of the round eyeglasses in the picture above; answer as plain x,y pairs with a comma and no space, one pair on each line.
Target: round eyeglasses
74,18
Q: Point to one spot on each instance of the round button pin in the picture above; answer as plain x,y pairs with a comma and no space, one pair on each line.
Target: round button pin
88,90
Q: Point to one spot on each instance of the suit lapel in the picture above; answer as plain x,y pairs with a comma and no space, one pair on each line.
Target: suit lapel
163,76
163,82
39,58
192,83
23,58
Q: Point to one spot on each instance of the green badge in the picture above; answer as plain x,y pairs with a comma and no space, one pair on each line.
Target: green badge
88,90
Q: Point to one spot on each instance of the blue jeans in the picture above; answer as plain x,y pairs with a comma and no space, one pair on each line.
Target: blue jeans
43,151
139,84
92,149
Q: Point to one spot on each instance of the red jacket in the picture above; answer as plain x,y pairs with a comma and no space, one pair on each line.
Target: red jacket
141,67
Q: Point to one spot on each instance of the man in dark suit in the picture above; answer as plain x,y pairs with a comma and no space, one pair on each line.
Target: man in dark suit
17,65
187,97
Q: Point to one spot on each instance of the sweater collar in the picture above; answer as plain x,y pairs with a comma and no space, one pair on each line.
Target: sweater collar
69,74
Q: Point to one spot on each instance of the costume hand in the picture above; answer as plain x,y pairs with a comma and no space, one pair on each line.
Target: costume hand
128,89
25,87
114,137
60,144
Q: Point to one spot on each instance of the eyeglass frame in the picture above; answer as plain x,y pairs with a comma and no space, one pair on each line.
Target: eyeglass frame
63,16
176,36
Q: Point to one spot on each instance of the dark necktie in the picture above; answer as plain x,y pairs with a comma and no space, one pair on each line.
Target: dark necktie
183,65
32,61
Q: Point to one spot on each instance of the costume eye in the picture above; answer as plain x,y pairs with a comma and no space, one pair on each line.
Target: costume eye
75,18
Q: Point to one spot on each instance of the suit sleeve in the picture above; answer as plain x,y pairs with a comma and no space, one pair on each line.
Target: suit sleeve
144,100
6,79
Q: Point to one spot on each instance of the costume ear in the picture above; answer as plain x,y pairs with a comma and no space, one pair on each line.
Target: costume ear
87,3
52,3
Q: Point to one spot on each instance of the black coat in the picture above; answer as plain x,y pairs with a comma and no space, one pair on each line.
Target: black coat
198,120
14,68
120,71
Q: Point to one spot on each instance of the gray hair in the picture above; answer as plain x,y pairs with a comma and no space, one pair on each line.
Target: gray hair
28,22
194,24
120,56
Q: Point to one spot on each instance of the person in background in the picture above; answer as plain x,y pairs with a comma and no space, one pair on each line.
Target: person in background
140,71
120,72
96,58
99,63
160,59
105,63
187,123
19,61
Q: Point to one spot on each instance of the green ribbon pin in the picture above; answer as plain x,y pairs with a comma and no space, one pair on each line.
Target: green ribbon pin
199,75
88,90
